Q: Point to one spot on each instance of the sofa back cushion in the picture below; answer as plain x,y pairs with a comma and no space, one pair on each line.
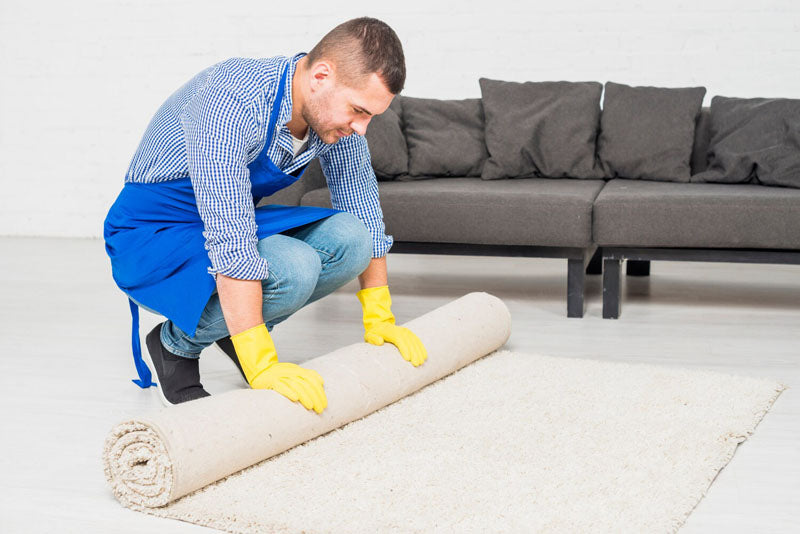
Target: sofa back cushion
544,129
387,144
648,132
754,140
702,137
444,137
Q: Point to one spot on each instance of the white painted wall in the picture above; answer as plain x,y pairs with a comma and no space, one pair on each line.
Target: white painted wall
80,80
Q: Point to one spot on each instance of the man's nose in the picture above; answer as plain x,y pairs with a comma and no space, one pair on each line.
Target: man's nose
360,125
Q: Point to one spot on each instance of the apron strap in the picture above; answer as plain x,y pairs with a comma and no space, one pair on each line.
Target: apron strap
276,108
145,378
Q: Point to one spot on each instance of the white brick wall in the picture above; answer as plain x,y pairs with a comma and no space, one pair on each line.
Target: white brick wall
80,80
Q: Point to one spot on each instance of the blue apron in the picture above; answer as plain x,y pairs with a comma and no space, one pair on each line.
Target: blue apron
154,236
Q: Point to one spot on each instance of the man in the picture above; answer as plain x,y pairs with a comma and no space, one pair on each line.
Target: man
186,240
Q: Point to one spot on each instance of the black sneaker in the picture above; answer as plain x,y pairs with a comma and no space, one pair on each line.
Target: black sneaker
226,345
178,377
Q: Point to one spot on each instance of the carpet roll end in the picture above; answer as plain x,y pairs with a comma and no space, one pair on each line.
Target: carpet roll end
137,465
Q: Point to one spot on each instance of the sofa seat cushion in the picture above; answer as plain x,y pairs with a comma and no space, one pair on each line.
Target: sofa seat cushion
534,211
640,213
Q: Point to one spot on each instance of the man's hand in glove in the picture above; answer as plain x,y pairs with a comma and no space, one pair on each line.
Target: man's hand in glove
260,364
379,325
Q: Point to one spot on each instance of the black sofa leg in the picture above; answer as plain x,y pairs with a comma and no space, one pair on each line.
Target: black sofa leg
575,286
638,268
596,263
611,288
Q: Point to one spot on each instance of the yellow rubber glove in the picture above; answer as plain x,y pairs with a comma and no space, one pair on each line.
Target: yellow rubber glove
260,364
379,325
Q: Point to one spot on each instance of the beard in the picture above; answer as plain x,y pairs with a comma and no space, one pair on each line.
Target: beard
315,114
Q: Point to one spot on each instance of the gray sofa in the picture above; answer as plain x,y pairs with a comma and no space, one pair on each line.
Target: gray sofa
593,223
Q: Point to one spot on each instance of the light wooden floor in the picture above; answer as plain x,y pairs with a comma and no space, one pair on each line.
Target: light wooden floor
66,365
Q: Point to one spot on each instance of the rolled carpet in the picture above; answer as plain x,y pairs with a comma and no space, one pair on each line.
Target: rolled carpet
155,459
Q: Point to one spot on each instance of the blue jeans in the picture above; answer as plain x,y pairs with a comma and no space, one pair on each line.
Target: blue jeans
305,264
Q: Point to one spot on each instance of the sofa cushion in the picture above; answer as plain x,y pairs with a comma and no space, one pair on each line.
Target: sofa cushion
648,132
545,129
444,137
702,137
387,144
661,214
754,140
538,211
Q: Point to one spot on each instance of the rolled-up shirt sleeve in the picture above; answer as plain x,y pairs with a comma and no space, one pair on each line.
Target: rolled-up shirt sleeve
219,130
354,188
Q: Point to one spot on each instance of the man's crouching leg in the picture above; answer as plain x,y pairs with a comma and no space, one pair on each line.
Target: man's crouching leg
307,263
344,247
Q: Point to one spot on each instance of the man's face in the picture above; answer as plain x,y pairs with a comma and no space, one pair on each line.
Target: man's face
334,110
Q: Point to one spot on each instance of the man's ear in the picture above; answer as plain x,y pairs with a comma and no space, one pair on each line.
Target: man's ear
322,73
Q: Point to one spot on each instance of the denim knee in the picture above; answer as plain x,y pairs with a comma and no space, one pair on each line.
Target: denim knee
355,239
292,279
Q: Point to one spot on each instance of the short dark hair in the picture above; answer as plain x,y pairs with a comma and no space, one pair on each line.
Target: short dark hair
362,46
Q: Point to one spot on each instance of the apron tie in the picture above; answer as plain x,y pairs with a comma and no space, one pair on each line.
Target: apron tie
145,378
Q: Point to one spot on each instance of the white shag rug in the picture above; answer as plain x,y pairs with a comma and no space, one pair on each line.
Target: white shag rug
511,443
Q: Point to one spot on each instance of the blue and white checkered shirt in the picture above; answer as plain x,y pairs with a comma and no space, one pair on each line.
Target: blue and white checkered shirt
213,126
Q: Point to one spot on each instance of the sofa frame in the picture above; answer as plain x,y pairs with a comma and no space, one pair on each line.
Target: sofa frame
578,261
638,264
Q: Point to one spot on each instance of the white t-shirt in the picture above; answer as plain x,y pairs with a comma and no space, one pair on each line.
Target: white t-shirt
298,144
